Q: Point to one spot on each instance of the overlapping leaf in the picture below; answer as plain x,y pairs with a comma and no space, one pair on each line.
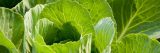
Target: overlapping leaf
137,43
103,21
6,45
30,21
105,32
136,16
98,9
11,26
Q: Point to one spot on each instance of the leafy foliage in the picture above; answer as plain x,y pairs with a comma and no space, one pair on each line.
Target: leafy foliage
80,26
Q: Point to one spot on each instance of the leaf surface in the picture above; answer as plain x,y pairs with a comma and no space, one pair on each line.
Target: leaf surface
105,32
137,43
12,27
6,45
136,16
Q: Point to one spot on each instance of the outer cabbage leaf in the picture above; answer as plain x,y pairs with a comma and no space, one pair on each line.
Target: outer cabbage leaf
137,43
30,19
136,16
103,21
11,25
98,9
6,45
105,32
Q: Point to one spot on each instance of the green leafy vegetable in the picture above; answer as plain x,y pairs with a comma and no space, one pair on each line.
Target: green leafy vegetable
80,26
